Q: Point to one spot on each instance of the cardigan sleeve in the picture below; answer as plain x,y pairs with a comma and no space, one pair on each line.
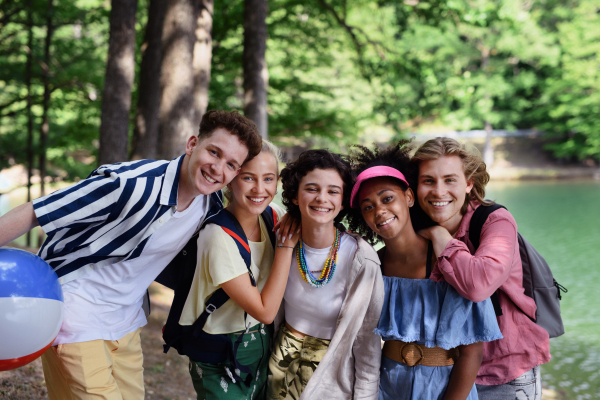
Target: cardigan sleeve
367,346
477,276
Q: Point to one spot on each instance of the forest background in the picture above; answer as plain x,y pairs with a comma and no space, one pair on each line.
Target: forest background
88,82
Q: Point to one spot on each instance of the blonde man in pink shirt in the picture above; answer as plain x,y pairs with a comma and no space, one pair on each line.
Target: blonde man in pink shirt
451,185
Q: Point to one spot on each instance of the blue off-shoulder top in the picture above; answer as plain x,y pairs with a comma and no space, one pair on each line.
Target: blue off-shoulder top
434,314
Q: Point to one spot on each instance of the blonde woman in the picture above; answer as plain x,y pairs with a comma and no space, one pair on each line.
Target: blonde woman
238,266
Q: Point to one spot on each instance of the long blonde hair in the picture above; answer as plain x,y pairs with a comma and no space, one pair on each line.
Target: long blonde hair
473,165
267,147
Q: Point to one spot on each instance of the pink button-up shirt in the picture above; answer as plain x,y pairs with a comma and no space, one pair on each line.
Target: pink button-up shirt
496,265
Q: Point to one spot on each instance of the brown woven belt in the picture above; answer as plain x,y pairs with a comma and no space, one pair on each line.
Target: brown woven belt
413,354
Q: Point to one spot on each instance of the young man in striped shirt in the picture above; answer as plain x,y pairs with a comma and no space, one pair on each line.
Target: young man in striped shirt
109,236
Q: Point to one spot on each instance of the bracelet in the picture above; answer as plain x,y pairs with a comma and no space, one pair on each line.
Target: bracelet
281,245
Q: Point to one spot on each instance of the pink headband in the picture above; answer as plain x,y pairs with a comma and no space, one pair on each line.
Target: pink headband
373,172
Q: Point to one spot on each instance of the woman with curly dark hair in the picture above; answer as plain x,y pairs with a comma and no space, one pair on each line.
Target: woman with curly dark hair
433,336
326,348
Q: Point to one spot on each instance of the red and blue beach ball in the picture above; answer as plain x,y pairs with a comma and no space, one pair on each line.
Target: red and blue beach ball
31,307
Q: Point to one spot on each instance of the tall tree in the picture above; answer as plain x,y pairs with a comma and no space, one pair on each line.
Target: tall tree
177,76
202,58
29,105
116,96
256,75
145,134
45,127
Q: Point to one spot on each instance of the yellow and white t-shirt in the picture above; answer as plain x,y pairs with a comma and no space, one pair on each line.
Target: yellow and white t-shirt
219,261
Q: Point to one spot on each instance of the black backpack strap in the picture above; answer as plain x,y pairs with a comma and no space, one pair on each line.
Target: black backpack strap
270,218
169,276
479,217
428,265
213,303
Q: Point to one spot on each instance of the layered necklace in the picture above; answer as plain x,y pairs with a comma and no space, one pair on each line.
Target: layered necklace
329,267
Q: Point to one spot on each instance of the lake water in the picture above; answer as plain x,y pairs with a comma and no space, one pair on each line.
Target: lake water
562,220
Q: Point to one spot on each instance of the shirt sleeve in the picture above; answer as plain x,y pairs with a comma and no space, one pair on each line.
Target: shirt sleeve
219,254
477,276
89,201
367,346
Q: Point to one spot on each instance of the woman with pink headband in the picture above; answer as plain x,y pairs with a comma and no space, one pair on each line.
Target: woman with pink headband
433,336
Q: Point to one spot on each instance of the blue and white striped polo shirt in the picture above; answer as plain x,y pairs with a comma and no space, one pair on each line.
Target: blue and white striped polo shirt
109,216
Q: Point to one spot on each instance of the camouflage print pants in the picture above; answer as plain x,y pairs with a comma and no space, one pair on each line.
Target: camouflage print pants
212,382
292,363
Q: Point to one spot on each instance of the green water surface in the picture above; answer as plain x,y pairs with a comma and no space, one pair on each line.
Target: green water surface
562,220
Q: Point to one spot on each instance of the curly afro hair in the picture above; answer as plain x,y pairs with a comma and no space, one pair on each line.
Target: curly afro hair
309,160
395,156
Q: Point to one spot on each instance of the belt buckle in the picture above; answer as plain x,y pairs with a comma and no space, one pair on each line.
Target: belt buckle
419,361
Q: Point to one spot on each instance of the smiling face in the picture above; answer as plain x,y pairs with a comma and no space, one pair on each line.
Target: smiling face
255,186
320,196
442,190
384,206
213,161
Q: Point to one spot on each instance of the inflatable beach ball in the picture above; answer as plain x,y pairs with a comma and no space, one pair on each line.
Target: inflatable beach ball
31,307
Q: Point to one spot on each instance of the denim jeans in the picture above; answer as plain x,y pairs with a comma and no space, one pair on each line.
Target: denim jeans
526,387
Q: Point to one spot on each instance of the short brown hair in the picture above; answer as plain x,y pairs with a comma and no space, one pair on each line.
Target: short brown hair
473,165
234,123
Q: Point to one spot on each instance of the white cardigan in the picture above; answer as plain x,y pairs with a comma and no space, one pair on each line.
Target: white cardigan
350,368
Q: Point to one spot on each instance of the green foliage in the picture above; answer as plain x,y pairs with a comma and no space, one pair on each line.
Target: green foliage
340,71
571,101
76,74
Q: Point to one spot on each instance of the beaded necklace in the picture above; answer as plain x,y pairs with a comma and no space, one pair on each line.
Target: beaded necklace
329,267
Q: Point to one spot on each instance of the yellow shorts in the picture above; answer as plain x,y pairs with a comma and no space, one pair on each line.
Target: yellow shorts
98,369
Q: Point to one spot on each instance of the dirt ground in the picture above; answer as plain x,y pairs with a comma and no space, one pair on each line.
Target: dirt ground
165,375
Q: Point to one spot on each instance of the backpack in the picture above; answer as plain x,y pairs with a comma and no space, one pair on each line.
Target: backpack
191,340
538,281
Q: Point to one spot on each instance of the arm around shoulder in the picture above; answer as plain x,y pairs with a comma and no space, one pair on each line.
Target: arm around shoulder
477,276
17,222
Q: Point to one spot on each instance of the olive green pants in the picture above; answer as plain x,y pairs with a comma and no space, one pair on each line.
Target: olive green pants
213,382
292,363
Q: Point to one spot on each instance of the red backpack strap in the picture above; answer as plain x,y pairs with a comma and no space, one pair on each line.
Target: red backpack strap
237,238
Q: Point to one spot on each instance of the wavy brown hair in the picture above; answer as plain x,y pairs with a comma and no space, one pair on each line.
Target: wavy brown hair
234,123
473,165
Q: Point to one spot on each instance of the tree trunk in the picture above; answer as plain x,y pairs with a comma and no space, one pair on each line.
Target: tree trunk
46,102
177,76
256,75
145,134
45,127
202,59
29,113
116,96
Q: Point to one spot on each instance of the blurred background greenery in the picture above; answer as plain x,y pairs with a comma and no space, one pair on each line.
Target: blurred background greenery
84,82
339,72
